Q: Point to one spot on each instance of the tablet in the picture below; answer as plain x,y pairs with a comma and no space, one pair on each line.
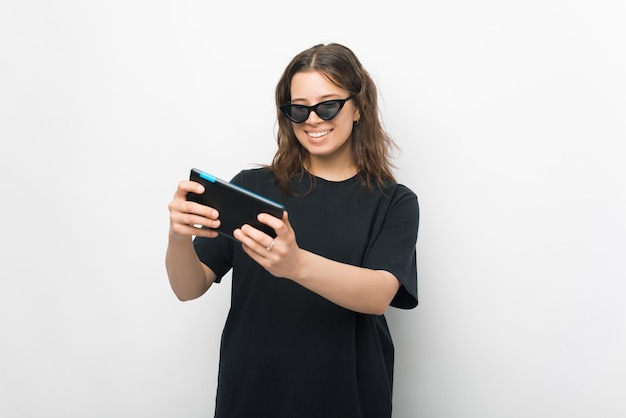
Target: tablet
237,206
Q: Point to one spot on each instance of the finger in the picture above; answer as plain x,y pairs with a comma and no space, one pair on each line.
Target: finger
181,207
187,186
200,209
254,239
255,235
190,230
186,214
201,221
273,222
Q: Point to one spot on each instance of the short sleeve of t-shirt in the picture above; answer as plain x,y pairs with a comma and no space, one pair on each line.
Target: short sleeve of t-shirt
394,248
215,253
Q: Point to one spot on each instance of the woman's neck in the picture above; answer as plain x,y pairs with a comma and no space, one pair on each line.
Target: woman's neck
331,170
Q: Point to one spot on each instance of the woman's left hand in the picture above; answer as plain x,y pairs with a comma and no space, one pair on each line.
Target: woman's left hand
280,255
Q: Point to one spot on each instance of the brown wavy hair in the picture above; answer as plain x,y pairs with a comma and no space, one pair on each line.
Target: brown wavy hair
371,144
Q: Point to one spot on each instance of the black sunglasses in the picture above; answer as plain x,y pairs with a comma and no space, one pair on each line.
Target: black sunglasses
325,110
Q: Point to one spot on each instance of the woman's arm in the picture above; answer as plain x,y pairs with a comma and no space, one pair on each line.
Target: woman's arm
188,276
356,288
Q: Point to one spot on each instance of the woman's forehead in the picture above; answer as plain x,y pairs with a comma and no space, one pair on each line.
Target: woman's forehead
313,85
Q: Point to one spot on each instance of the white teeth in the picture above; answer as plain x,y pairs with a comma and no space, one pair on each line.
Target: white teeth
318,134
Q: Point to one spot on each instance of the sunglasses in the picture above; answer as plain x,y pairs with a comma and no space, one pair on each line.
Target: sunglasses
325,110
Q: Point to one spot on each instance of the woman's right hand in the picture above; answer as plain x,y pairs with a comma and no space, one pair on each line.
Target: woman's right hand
190,218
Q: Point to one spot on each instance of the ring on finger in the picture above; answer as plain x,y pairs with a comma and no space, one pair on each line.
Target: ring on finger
269,247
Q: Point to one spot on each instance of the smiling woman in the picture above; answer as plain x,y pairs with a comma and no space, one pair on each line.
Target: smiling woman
320,75
306,334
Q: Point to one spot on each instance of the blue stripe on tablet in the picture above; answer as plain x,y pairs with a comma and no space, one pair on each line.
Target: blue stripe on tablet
207,177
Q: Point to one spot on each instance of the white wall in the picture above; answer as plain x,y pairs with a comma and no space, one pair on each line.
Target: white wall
511,116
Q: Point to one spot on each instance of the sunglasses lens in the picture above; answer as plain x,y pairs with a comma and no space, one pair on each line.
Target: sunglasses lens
328,110
298,113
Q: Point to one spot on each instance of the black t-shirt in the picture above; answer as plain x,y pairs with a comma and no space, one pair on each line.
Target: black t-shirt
288,352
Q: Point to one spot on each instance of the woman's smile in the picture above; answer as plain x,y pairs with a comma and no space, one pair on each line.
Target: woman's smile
318,134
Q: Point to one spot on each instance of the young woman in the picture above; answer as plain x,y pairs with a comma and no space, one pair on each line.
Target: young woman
306,334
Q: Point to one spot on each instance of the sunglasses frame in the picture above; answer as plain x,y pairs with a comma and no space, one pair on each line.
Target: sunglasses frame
285,109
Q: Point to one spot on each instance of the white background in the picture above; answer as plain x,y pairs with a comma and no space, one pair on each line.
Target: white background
511,117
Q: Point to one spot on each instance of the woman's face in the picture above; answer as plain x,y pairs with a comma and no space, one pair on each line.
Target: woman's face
325,140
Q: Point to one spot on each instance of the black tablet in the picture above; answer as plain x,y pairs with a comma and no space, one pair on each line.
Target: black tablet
237,206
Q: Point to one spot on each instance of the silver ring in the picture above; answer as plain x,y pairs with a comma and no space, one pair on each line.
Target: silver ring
271,246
